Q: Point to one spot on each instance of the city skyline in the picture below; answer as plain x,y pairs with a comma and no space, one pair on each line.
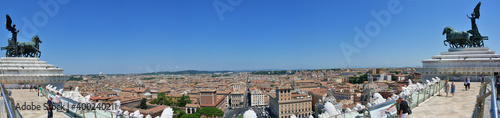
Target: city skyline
88,37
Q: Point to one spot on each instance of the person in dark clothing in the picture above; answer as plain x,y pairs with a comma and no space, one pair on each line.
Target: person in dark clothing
36,89
49,108
497,85
403,108
482,79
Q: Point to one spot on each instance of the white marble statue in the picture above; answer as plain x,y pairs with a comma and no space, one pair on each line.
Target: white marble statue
136,113
125,113
355,109
347,110
249,114
87,99
378,99
60,91
167,113
119,111
330,109
116,104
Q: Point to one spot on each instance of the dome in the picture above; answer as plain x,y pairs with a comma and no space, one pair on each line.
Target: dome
249,114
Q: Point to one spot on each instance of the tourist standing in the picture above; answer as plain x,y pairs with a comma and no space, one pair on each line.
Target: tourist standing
39,91
57,101
467,83
482,79
452,88
403,108
49,108
446,88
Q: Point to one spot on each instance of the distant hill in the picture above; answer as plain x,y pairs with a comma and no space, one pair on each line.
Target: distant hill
184,72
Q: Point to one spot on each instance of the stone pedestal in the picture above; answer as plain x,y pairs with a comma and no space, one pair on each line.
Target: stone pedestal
459,63
15,71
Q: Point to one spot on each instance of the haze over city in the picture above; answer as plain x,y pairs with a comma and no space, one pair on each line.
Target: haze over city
88,37
250,59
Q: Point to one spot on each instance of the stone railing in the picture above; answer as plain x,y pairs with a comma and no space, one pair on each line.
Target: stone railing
387,109
486,104
7,106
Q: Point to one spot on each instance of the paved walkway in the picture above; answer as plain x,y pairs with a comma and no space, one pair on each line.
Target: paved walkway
459,106
23,95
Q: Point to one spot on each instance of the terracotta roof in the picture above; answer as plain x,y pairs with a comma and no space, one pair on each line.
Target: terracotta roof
299,95
223,92
127,89
219,99
192,105
139,90
94,98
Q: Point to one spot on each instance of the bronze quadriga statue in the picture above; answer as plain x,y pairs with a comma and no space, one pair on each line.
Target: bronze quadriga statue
461,39
21,49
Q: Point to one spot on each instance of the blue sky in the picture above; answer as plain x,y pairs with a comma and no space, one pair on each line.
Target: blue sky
93,36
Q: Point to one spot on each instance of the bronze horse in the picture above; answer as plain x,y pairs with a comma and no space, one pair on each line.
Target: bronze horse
31,49
456,39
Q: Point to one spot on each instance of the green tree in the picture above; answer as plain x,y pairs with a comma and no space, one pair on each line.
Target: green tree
183,100
194,115
358,80
178,112
143,104
394,78
154,101
161,95
211,111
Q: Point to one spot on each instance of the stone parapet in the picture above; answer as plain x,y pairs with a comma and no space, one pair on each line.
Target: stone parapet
460,63
16,71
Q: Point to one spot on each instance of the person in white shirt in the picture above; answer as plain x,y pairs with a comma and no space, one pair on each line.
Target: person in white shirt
57,102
